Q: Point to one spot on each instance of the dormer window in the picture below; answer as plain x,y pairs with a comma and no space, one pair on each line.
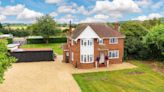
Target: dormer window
101,41
113,40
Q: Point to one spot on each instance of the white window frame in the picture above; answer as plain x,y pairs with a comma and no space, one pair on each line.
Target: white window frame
115,41
101,41
86,42
89,58
115,53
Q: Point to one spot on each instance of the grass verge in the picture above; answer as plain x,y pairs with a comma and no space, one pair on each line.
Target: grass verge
55,46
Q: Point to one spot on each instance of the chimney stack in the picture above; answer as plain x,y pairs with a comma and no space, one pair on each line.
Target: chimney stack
70,27
116,26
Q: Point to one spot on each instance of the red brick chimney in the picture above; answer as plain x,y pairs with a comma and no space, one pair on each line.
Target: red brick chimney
70,28
116,26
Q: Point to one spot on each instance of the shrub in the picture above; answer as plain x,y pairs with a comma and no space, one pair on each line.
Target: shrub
5,59
10,40
18,33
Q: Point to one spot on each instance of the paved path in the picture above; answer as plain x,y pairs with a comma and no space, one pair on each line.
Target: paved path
47,76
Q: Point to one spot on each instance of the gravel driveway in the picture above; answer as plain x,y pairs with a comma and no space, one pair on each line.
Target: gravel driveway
39,77
47,76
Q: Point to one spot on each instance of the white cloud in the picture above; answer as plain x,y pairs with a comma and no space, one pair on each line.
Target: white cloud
82,10
53,1
96,18
12,10
90,20
66,19
150,4
144,3
101,16
150,16
2,18
157,5
66,9
28,14
73,8
119,6
53,14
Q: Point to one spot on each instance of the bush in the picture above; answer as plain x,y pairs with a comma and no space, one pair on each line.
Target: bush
10,40
41,40
5,59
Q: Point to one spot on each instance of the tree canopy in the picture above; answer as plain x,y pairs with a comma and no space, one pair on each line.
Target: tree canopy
45,26
134,32
1,26
155,41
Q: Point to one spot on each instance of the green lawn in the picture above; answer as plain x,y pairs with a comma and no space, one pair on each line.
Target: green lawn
55,46
141,79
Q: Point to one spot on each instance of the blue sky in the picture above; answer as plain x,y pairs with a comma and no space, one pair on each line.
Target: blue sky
79,11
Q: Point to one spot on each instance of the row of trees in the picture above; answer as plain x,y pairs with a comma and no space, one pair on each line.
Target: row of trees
144,40
44,26
5,59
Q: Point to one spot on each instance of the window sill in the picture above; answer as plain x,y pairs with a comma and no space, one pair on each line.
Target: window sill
101,44
114,58
113,43
86,62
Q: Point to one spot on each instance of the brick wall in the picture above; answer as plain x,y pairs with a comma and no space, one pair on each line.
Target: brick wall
119,46
76,50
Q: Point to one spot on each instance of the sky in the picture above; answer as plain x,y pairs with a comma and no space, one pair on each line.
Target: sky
80,11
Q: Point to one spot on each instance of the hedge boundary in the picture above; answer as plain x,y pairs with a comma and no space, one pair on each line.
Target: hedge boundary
51,40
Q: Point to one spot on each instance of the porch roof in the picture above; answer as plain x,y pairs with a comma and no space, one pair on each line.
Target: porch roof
102,47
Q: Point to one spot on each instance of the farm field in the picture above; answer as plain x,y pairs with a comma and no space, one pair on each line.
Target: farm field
141,79
14,27
55,46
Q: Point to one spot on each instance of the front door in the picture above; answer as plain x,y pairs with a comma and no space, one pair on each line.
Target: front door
102,59
67,57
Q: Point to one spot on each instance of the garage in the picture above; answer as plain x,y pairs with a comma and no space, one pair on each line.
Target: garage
33,55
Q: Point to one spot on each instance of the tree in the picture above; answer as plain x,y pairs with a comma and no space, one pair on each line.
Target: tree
155,42
45,26
1,26
5,59
151,23
134,32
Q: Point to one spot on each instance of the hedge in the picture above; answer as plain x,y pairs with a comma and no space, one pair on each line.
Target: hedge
51,40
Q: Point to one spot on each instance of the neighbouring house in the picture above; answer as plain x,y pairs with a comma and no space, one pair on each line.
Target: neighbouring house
94,45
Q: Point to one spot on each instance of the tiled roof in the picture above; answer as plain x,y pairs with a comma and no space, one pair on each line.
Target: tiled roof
101,29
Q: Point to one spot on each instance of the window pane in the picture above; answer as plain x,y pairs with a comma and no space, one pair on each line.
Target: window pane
90,58
81,42
81,57
84,58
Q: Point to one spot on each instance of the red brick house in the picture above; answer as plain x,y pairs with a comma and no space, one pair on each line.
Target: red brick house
93,45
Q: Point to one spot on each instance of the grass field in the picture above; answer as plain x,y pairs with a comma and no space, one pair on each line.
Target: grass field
141,79
55,46
14,27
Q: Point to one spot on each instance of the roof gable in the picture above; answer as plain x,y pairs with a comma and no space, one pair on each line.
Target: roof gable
88,32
